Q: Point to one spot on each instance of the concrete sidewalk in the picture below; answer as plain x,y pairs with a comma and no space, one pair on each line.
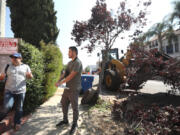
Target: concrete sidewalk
45,118
43,121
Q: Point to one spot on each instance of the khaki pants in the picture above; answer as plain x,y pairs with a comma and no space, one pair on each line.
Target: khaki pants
70,96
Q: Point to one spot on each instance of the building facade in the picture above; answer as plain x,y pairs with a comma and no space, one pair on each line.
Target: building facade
172,49
2,17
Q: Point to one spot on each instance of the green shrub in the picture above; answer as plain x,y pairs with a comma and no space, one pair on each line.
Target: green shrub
53,67
46,66
35,89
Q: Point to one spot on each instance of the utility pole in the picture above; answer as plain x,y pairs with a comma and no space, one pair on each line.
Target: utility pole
2,17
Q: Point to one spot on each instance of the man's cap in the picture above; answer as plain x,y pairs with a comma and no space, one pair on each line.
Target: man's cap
17,55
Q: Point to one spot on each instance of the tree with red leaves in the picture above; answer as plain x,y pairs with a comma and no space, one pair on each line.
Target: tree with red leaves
104,27
148,64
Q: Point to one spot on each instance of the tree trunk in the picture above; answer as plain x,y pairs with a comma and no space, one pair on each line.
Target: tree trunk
160,43
101,76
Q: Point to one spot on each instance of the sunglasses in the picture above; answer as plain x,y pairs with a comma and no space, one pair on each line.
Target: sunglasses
14,57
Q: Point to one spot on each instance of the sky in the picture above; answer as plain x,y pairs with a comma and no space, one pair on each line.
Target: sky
69,11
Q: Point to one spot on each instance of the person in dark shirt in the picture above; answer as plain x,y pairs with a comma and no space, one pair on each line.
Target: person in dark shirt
72,78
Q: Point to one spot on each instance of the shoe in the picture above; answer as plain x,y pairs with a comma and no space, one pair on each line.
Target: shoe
62,123
17,127
73,129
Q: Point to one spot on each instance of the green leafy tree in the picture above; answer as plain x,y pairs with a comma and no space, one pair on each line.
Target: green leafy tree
162,30
53,66
87,69
176,12
33,20
157,29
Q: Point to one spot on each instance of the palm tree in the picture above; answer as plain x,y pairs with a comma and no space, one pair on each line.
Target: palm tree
157,30
176,12
162,30
170,35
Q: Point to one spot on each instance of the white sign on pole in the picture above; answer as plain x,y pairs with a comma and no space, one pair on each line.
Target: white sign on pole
8,45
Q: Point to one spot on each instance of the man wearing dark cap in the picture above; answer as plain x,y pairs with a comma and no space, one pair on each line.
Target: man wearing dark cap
72,78
15,87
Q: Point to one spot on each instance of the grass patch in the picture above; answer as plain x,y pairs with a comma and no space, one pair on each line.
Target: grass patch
102,105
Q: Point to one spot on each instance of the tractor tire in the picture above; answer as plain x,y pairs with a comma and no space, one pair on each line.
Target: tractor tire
112,81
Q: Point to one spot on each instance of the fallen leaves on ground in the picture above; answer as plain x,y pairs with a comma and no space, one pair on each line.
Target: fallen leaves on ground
147,120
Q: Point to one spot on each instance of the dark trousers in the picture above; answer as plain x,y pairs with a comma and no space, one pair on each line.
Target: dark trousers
9,100
70,96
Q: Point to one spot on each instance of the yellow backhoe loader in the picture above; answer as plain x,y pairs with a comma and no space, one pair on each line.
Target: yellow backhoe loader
115,72
115,69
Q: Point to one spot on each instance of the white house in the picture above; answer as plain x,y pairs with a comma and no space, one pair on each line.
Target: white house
172,50
2,17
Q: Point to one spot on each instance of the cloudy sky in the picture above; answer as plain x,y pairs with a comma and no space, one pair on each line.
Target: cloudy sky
70,10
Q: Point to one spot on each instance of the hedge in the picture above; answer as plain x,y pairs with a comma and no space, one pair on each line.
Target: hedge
46,65
35,89
53,67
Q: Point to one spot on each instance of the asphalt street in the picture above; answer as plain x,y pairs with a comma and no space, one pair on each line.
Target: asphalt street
151,86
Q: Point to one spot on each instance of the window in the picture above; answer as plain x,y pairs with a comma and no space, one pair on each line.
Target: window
169,49
176,46
156,43
164,49
113,56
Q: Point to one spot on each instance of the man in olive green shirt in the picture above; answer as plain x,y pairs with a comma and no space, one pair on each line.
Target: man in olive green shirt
72,78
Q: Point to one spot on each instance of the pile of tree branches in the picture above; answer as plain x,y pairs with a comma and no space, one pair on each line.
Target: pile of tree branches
143,119
171,75
147,64
147,120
